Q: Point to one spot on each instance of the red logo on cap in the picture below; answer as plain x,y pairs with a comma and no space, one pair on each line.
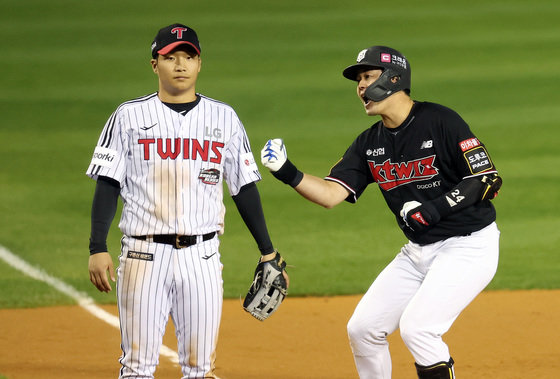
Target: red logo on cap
386,57
179,31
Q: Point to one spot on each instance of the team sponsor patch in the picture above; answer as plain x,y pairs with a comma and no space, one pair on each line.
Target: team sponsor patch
394,59
375,152
140,256
469,144
103,156
209,176
248,161
478,160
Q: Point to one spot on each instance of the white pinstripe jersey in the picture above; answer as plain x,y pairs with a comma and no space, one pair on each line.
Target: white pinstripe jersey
171,166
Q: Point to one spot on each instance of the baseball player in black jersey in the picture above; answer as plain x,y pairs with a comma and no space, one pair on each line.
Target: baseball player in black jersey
438,179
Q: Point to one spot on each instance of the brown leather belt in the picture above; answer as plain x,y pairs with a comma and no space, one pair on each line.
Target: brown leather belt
176,240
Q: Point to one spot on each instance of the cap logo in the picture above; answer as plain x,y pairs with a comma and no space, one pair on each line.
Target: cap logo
386,58
361,55
179,31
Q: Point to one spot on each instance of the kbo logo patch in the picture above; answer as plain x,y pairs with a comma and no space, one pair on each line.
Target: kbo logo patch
209,176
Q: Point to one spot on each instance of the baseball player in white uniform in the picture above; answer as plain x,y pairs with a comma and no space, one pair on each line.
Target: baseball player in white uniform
167,155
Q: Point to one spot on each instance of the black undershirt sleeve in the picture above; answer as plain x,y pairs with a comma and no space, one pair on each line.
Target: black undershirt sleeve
103,211
249,205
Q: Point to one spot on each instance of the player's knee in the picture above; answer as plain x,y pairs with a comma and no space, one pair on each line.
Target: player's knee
410,333
413,333
364,339
440,370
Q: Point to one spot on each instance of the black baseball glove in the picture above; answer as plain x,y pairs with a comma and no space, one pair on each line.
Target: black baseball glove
268,289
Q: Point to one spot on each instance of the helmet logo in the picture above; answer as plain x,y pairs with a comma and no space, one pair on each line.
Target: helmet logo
385,57
361,55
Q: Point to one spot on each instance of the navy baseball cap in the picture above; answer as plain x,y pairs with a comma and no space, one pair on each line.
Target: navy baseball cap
382,57
169,37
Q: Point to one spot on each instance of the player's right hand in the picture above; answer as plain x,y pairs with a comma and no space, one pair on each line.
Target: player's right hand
98,266
419,217
273,154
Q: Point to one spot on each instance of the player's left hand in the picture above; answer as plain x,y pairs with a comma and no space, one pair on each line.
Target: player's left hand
99,264
418,216
269,287
273,154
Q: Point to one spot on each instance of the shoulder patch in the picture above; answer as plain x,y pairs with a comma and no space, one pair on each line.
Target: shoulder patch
478,160
469,144
248,161
103,156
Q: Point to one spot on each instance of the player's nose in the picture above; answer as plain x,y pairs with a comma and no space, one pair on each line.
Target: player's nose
362,85
181,64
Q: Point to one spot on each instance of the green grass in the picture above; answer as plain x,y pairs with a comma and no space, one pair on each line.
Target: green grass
67,65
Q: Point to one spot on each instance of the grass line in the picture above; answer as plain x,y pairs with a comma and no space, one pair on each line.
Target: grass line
81,298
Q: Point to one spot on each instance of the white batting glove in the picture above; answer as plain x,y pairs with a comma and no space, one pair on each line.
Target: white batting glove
408,206
273,154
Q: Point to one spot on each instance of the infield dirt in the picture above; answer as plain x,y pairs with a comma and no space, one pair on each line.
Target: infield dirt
501,335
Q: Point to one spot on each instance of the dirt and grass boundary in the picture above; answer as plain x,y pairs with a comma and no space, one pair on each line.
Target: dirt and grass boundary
502,334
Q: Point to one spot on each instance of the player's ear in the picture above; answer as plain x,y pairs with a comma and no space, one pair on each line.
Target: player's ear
153,63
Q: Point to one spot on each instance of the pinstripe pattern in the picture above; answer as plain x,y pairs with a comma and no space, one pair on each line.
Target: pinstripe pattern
171,168
178,282
162,195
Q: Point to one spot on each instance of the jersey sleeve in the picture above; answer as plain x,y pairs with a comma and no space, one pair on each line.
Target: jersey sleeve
240,166
109,155
471,155
351,171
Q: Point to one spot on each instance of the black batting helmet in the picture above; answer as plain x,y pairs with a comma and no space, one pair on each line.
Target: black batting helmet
393,64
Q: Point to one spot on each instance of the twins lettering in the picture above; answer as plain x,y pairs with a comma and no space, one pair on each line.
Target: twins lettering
185,148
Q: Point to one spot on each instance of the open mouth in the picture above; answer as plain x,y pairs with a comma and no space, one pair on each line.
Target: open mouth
365,100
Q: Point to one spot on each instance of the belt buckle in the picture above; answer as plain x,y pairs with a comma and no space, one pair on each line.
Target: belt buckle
188,242
178,242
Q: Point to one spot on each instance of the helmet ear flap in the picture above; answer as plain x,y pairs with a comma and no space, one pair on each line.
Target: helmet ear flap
389,82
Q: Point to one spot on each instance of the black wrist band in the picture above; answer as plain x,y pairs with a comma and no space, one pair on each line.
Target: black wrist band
289,174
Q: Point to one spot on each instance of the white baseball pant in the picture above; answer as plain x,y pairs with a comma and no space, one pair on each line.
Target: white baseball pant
186,283
422,291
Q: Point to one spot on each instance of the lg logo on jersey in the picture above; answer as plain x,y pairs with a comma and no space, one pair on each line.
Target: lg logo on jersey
216,132
390,175
190,148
